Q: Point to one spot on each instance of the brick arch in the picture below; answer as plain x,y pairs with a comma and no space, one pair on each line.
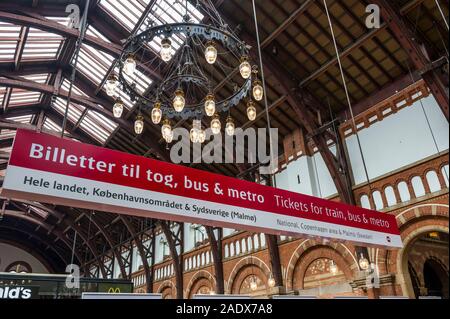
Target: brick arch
246,262
197,277
348,261
165,285
412,222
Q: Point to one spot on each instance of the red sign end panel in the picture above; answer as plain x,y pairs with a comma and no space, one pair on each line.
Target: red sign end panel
49,169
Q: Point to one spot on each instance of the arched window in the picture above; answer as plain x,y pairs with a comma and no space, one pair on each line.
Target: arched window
433,181
365,203
417,185
231,249
249,243
227,251
208,257
186,265
390,196
256,241
244,246
190,263
444,172
405,196
263,240
238,248
194,262
198,261
376,195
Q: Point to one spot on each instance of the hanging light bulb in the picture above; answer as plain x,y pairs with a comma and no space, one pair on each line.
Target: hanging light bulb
166,50
363,262
245,68
195,131
139,124
216,126
112,83
253,284
179,101
211,52
230,127
129,67
251,110
333,268
156,113
258,92
201,136
118,108
166,129
210,105
169,137
271,282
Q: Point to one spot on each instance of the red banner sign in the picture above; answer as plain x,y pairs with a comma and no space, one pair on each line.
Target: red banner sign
49,169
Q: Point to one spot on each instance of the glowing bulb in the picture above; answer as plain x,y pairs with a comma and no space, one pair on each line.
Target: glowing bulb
118,108
139,125
156,113
201,136
169,137
196,132
258,91
112,83
333,268
245,68
216,126
230,127
179,101
211,53
363,262
166,50
210,105
129,67
166,129
253,284
251,111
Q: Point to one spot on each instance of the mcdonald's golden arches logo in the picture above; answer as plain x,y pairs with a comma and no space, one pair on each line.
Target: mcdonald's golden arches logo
113,290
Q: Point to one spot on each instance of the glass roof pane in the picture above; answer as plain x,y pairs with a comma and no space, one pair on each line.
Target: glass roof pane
126,12
74,112
94,63
5,133
41,45
24,119
23,97
9,35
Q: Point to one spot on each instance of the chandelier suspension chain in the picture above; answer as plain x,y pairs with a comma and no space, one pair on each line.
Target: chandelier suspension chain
266,105
344,82
74,66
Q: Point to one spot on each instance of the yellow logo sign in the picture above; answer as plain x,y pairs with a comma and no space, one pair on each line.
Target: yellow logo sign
113,290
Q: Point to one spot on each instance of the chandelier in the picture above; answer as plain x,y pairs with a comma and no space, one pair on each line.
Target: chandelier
197,59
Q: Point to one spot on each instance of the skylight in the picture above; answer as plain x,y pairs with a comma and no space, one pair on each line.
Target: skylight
98,126
41,45
94,63
9,34
126,12
24,119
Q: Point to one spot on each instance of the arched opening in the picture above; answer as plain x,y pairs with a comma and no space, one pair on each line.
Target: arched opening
436,279
426,265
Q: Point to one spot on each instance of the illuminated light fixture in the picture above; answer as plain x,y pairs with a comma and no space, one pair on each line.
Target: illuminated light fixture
166,50
253,284
333,268
210,52
169,137
245,68
258,92
156,113
129,67
216,126
363,262
112,83
434,235
179,101
212,292
271,282
197,134
230,126
166,129
251,110
118,108
139,124
210,105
